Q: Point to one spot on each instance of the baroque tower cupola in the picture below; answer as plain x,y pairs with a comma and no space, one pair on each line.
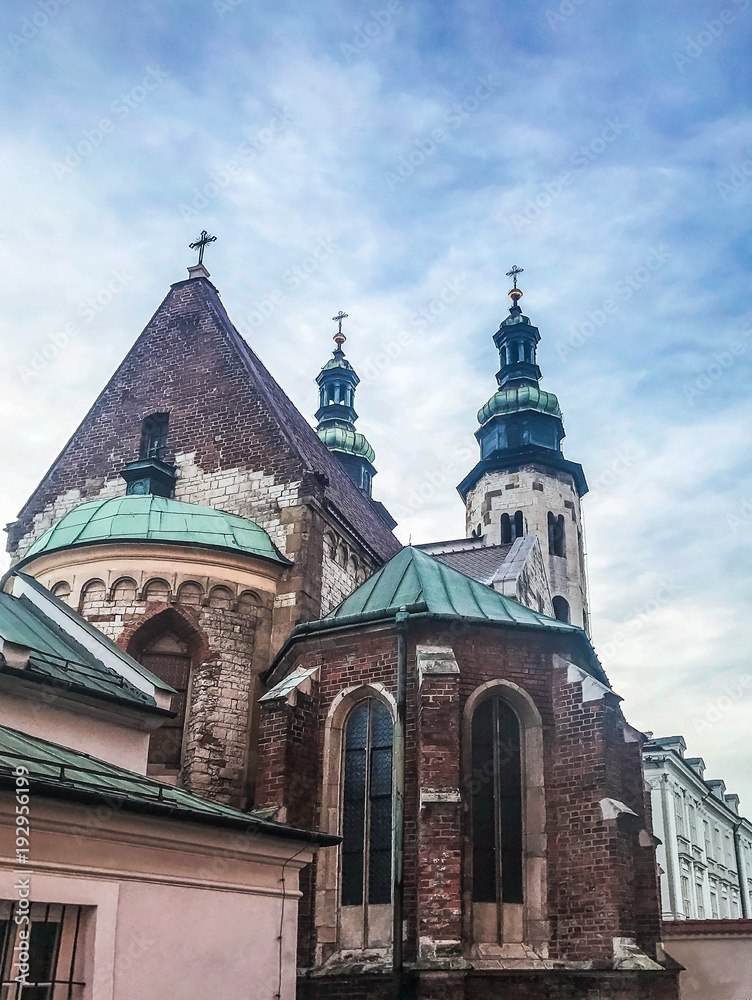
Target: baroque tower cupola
522,484
336,416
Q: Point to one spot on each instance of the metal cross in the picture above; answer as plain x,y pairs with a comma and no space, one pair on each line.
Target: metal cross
514,272
338,319
201,244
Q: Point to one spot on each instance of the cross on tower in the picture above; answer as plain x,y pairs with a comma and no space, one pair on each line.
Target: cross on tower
201,244
338,319
339,337
514,272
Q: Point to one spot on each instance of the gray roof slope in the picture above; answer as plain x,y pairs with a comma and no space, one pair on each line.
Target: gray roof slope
479,564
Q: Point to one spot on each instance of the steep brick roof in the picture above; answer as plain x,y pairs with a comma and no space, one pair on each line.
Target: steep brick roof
223,404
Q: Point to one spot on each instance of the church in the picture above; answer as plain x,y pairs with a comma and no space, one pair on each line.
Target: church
435,713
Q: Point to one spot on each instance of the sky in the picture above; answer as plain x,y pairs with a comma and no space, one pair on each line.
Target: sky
395,159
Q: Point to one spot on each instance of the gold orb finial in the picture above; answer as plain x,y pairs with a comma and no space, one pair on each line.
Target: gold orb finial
339,337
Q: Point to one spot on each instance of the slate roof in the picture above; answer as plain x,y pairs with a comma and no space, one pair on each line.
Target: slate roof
58,772
57,658
480,564
156,519
422,583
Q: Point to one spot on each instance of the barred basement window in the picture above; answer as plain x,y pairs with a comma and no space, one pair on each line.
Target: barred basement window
367,806
496,804
154,436
55,952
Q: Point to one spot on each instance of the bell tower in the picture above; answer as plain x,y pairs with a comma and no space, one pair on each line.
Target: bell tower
336,416
522,484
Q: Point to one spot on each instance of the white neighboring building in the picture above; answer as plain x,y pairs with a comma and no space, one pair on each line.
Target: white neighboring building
706,851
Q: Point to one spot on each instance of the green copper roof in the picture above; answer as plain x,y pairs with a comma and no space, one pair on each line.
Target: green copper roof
56,658
337,362
524,397
422,584
348,441
58,772
150,518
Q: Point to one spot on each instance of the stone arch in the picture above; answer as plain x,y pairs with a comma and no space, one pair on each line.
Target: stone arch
191,593
92,592
532,929
221,597
124,589
352,567
167,639
157,590
330,544
328,871
62,590
341,557
248,602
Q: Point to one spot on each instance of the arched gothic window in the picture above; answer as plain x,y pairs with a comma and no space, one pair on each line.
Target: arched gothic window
512,527
496,804
367,806
168,658
561,609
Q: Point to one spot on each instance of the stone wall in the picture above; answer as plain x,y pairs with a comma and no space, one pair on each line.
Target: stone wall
535,491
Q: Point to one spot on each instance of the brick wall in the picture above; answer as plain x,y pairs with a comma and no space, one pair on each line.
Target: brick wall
601,882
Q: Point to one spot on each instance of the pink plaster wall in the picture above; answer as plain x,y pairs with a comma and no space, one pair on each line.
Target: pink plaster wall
52,721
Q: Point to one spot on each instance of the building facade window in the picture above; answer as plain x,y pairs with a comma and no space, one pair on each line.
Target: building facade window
679,813
496,804
700,901
686,905
55,953
367,806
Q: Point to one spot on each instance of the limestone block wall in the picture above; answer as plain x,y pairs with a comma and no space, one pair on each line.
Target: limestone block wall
536,491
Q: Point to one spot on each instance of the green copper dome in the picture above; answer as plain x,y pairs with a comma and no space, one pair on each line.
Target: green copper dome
347,441
513,400
338,361
149,518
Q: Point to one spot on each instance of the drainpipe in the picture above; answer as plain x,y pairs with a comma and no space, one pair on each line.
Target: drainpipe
399,799
740,872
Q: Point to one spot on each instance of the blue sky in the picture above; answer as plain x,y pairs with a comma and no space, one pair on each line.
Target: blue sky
395,159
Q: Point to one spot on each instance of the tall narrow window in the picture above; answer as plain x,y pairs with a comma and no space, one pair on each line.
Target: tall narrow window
154,436
519,524
367,806
506,529
496,804
556,535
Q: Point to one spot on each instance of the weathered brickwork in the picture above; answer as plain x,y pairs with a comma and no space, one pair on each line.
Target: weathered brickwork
221,642
600,871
